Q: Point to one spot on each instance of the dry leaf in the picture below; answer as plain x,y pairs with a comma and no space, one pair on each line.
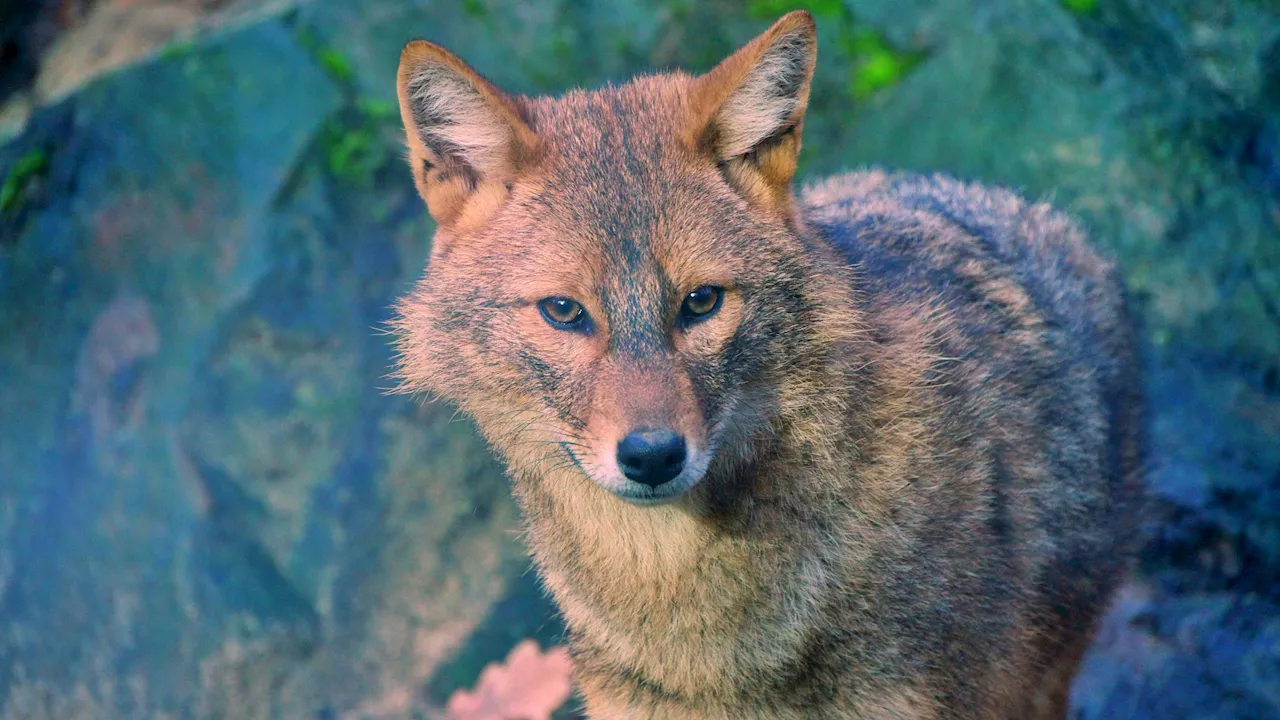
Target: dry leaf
529,686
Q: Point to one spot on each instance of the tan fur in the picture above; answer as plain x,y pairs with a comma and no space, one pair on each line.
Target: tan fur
915,440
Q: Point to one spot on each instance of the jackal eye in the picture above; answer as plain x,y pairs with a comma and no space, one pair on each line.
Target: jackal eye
700,304
563,313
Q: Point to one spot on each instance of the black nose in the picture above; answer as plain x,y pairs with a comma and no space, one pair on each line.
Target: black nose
652,457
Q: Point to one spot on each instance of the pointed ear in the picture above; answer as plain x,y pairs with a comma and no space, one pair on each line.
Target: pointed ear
748,111
466,137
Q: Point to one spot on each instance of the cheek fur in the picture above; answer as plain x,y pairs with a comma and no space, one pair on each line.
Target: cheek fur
710,381
705,340
556,365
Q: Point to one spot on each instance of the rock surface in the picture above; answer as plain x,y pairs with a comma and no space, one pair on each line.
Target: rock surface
208,509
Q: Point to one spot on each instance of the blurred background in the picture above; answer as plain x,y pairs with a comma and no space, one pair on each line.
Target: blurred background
210,509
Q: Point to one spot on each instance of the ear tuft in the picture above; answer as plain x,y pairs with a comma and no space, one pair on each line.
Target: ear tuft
462,130
454,119
770,98
748,112
761,90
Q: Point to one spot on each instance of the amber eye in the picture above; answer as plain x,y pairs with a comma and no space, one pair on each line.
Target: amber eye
563,313
701,304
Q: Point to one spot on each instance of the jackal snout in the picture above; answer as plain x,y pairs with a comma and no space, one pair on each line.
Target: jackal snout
650,446
652,457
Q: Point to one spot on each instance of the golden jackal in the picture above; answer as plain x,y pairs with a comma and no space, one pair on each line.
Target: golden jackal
869,452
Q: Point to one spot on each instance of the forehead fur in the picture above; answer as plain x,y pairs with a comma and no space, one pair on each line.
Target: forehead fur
646,115
622,184
616,160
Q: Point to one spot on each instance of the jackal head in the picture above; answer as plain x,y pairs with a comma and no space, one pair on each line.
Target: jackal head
619,286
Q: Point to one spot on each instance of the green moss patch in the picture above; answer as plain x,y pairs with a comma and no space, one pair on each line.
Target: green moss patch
28,169
1080,7
772,9
354,142
876,64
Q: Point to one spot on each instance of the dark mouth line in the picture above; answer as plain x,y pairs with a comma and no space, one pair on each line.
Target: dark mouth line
650,499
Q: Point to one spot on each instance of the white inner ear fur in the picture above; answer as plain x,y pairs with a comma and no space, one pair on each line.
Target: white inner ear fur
452,115
767,99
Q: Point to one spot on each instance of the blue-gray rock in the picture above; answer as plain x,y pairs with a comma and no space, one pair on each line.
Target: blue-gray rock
209,507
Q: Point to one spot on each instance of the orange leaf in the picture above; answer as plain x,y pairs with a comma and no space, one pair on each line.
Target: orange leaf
529,686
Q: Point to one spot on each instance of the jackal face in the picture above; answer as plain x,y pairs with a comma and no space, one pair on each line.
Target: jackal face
616,279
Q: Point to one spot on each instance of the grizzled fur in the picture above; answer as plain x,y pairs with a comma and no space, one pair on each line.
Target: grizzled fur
914,424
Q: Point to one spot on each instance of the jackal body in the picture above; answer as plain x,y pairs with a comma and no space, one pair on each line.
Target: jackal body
872,452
